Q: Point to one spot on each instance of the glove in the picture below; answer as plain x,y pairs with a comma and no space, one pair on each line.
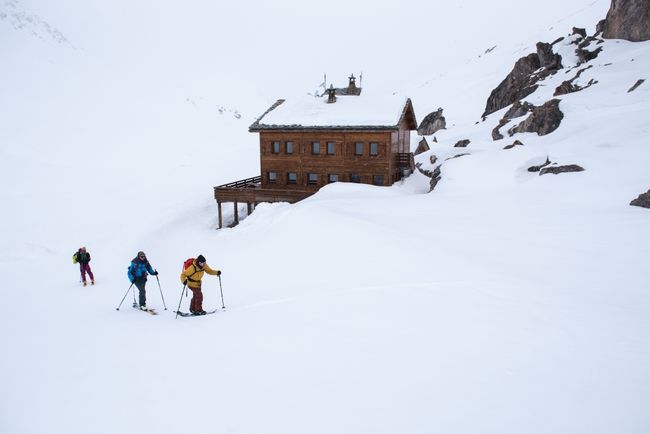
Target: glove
155,272
218,272
185,282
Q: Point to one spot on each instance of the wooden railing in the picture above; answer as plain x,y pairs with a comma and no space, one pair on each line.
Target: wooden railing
250,190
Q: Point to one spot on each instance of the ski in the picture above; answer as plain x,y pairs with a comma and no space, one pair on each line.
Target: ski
149,311
185,314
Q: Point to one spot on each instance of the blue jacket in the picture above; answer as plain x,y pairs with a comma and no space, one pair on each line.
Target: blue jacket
138,270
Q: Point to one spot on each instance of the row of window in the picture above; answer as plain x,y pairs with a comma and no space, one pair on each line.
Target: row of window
329,148
313,178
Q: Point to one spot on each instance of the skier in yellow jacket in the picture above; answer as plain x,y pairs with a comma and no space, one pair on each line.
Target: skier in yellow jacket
191,276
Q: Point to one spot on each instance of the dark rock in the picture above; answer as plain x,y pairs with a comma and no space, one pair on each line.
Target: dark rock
462,143
569,87
496,134
423,146
433,174
638,83
560,39
518,110
600,27
543,120
434,139
457,156
628,19
579,31
431,123
538,168
547,58
643,200
522,80
515,143
586,55
433,158
561,169
517,85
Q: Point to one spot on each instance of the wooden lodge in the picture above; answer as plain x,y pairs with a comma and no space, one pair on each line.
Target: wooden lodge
342,136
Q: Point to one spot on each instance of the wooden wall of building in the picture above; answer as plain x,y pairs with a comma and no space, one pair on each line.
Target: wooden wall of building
343,162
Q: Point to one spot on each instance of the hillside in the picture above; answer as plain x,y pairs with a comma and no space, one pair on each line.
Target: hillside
503,301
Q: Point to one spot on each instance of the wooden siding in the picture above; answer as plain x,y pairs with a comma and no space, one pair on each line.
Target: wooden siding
343,162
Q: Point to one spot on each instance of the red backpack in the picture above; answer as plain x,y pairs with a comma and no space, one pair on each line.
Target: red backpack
187,263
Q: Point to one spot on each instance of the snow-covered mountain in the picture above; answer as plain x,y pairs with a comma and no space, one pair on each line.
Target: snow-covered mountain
502,301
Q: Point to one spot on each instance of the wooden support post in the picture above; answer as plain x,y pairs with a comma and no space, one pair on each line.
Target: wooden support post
220,216
250,207
236,222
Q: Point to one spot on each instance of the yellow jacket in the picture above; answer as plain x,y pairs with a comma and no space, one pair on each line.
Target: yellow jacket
193,274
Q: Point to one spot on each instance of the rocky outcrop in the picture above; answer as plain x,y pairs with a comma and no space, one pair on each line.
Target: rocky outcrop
517,110
569,87
522,80
431,123
579,31
643,200
423,146
515,143
538,168
462,143
628,19
561,169
433,174
543,120
638,83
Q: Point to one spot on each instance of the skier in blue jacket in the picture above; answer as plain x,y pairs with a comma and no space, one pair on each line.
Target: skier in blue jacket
137,273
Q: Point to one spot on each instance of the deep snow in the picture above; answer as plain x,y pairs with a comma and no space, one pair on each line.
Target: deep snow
502,302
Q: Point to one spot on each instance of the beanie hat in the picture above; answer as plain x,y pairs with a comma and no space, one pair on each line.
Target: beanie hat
200,259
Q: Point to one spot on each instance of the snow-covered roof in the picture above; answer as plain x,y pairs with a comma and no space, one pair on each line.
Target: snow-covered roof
366,112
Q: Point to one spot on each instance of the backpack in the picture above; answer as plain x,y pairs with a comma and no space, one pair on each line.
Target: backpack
75,258
187,263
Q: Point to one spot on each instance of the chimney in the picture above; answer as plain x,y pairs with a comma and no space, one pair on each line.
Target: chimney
352,85
331,94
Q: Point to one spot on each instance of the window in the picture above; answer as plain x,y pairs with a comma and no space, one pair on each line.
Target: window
374,149
378,179
273,176
275,147
331,148
358,148
355,177
312,178
315,148
292,177
332,177
289,147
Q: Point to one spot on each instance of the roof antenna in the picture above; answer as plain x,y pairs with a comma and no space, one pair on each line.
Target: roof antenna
360,78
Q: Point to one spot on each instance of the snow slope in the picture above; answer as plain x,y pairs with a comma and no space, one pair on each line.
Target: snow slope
501,302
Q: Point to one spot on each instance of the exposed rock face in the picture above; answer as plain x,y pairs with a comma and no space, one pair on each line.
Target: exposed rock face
462,143
431,123
585,56
547,58
561,169
643,200
543,120
517,85
517,110
628,19
423,146
521,82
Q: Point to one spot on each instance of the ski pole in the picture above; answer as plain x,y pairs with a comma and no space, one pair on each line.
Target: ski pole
179,302
135,303
161,293
223,306
125,294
